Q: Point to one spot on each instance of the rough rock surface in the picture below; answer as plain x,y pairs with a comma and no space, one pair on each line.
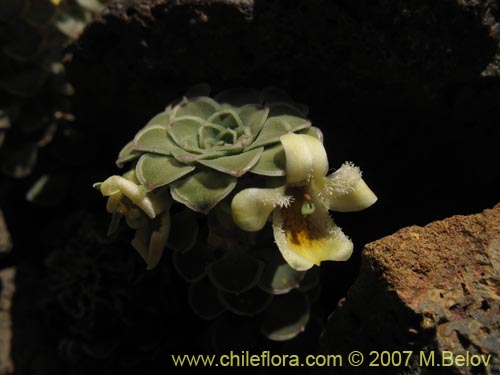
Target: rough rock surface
433,288
6,293
7,289
5,240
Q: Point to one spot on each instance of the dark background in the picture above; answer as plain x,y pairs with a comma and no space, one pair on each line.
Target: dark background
407,90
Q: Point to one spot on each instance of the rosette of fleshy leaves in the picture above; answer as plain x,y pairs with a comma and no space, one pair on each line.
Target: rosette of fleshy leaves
34,92
206,175
196,152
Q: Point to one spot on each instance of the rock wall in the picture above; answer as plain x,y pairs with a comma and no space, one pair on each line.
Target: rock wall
427,289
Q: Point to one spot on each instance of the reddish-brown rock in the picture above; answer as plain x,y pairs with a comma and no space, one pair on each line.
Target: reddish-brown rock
6,293
427,289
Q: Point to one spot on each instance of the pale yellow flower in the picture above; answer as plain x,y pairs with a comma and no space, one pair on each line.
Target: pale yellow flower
146,212
303,229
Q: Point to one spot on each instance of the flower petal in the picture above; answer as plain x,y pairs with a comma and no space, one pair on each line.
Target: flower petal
251,207
135,218
305,240
113,203
137,194
305,157
140,242
158,241
345,190
313,132
150,240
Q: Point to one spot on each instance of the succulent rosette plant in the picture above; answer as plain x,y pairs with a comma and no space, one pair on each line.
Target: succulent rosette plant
241,158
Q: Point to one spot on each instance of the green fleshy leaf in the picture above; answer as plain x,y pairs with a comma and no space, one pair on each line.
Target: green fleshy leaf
203,190
127,153
286,317
279,278
229,149
183,231
155,139
189,158
208,134
157,170
228,118
184,131
235,273
161,119
202,297
235,165
114,225
248,303
201,107
254,117
238,97
277,126
272,162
